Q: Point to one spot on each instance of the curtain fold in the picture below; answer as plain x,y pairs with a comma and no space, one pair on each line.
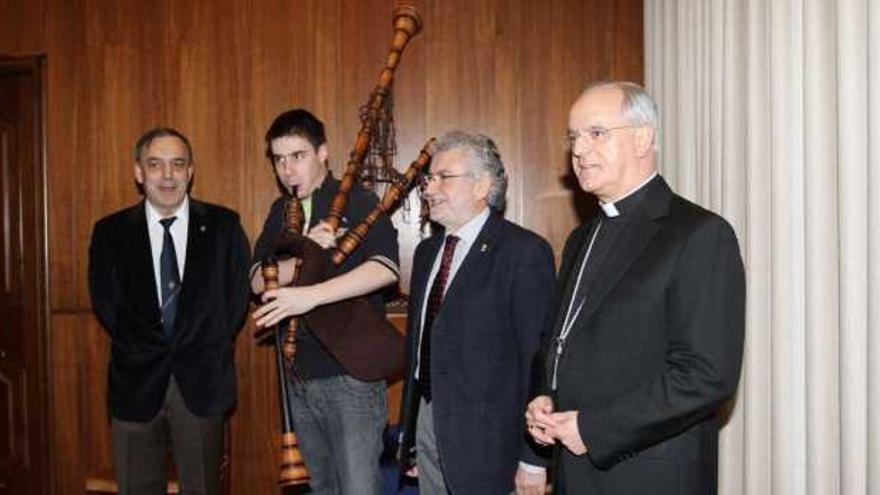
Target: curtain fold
873,272
770,115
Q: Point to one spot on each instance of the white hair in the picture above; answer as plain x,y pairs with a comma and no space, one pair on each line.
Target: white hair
637,106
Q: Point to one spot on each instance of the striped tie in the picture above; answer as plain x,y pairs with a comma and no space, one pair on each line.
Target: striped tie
169,278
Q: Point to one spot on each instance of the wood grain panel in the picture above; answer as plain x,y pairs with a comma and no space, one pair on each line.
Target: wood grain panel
220,70
255,426
22,25
68,399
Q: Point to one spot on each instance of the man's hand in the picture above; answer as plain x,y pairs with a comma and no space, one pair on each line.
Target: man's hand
285,302
323,235
566,431
528,483
539,419
412,472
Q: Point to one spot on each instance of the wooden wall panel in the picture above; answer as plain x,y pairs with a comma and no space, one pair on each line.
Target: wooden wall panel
219,70
68,410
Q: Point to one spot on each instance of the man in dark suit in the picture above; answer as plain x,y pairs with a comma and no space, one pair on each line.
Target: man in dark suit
648,335
168,281
479,295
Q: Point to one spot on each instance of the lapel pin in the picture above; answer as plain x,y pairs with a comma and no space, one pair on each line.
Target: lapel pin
484,248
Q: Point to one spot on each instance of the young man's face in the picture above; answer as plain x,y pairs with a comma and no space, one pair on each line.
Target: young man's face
164,171
298,164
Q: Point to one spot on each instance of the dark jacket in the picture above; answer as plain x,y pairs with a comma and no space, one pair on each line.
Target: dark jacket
483,341
655,351
213,301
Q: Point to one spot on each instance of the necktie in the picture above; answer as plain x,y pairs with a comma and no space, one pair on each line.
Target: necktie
435,299
169,278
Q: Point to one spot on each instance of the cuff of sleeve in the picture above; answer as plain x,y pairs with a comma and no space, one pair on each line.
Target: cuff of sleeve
529,468
387,263
253,271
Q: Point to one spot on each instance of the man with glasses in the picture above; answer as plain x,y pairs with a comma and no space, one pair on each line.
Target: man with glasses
168,281
647,337
339,419
481,288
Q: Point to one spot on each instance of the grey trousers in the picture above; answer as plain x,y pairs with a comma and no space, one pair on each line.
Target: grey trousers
431,480
139,450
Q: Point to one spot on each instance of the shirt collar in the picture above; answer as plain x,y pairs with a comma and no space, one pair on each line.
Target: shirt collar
471,229
614,208
182,212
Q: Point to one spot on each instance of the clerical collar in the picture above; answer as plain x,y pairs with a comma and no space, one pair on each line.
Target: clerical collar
627,201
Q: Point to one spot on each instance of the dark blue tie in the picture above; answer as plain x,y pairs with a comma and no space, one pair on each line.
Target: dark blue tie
169,278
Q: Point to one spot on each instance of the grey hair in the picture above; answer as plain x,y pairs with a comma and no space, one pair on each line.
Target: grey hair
638,108
483,159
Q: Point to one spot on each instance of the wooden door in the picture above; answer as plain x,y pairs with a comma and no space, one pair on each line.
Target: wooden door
24,446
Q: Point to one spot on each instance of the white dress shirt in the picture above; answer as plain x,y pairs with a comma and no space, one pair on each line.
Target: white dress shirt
179,230
466,234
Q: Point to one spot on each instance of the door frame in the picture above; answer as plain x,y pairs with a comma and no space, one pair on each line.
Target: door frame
36,65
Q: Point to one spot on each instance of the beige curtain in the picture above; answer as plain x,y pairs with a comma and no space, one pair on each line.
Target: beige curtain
771,116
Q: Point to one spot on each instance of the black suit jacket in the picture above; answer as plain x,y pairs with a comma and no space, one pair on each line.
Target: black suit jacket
483,343
655,351
213,300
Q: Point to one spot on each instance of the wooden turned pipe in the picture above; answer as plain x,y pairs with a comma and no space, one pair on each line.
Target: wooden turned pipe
407,23
355,236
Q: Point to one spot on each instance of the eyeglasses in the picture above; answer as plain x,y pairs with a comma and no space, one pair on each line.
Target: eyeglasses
427,179
594,135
